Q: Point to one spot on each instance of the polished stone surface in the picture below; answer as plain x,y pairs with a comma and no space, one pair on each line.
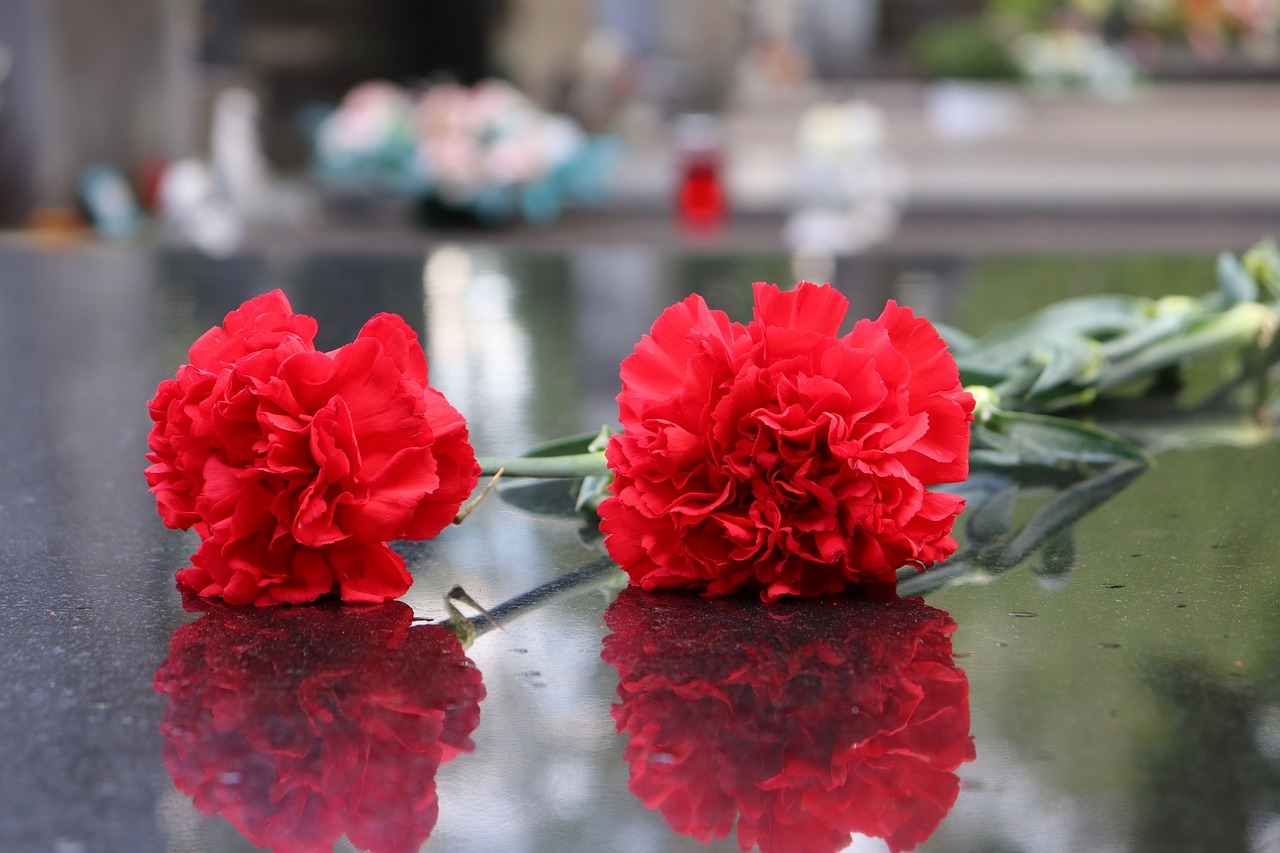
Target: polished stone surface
1121,677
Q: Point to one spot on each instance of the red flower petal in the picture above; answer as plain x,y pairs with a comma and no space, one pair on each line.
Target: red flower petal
400,343
262,323
779,457
810,307
297,465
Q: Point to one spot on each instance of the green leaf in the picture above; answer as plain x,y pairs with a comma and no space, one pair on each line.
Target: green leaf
957,341
976,373
1097,317
561,495
1262,262
1013,439
601,441
594,490
1076,361
1241,325
1235,281
568,446
542,497
1164,325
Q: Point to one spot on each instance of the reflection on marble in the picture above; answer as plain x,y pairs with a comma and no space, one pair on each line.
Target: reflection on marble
801,723
479,350
1137,710
303,724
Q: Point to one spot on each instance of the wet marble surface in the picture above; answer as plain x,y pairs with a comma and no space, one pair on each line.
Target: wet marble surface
1119,675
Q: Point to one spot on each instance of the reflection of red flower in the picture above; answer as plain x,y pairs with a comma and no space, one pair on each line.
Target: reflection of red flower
299,725
297,466
777,456
802,723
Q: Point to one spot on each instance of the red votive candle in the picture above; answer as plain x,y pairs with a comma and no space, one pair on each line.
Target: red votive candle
700,196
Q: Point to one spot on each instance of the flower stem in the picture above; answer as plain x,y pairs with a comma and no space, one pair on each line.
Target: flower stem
602,574
574,465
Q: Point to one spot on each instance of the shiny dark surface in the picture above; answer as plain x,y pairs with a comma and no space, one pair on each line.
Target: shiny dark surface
1121,672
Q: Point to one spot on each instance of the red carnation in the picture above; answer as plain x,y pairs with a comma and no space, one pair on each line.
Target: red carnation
300,725
778,456
800,724
297,466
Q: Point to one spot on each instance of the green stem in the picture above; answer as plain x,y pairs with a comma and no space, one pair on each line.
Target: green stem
1241,325
565,467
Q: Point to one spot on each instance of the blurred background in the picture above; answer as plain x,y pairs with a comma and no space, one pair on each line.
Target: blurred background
529,183
818,126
